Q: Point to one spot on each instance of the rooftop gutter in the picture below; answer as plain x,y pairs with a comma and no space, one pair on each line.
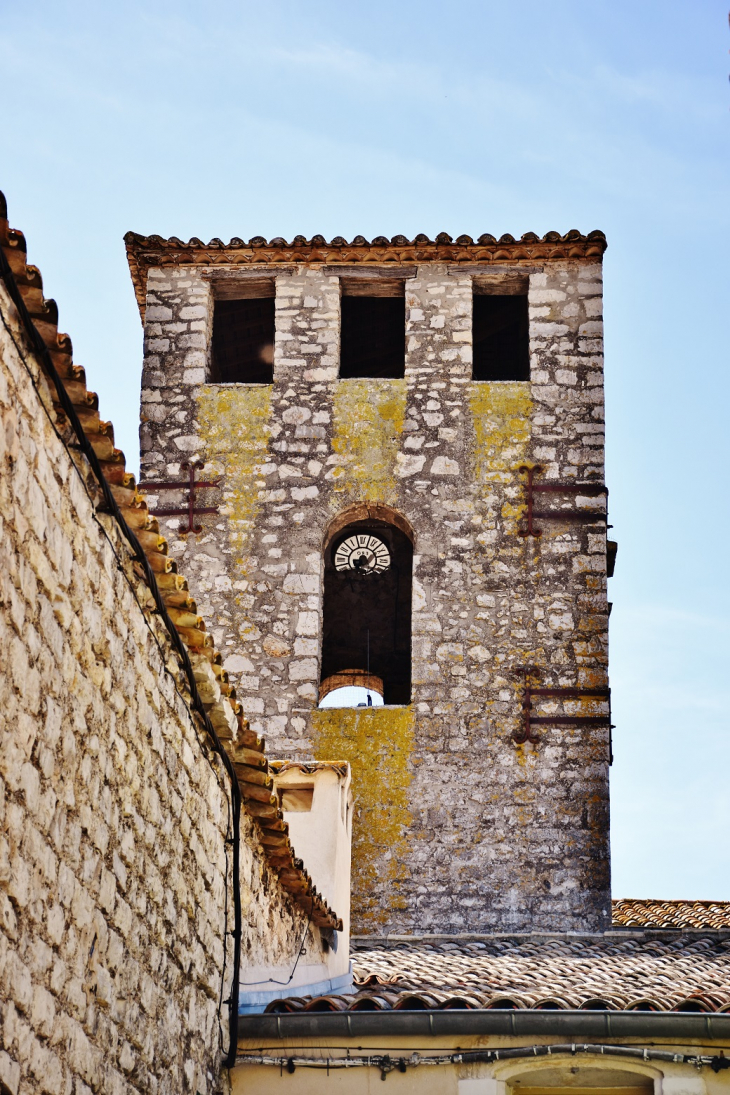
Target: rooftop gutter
571,1025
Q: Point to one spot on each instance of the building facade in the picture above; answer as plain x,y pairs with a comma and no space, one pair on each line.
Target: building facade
446,400
173,904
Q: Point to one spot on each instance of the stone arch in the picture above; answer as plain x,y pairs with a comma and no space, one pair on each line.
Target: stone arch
364,511
586,1074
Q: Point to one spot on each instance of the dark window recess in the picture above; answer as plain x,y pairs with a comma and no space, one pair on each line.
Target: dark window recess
500,333
243,341
373,342
372,611
611,553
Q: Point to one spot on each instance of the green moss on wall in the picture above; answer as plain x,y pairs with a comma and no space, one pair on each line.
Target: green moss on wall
234,424
378,742
368,422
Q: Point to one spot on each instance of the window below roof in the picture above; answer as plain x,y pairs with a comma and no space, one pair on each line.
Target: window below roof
243,335
373,329
296,799
500,334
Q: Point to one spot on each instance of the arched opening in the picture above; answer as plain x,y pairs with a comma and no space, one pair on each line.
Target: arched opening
366,635
351,688
579,1076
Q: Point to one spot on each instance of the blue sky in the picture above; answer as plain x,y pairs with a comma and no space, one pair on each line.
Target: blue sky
224,119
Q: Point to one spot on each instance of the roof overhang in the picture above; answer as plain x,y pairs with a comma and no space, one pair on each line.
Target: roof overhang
147,252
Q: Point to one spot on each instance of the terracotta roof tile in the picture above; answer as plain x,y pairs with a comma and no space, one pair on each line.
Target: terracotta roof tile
246,749
611,972
144,252
672,914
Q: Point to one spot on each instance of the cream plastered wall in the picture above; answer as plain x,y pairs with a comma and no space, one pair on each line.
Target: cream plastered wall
584,1073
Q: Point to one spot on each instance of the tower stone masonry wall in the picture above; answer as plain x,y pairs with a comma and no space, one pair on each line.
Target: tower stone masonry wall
457,828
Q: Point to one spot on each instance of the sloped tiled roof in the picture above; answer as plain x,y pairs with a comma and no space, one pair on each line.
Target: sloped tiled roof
246,749
614,972
144,252
672,914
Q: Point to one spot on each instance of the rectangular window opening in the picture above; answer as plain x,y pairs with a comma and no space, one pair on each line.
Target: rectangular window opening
243,333
373,332
296,800
500,331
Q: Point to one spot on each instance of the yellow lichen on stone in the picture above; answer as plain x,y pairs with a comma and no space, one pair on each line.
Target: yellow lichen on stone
368,422
234,426
378,742
501,413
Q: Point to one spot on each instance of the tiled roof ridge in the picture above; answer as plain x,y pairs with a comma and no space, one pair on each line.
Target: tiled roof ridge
245,748
135,240
144,252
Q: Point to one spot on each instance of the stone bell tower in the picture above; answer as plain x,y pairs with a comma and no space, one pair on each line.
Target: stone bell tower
397,456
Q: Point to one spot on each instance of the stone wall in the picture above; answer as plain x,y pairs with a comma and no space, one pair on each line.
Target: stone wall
114,872
456,827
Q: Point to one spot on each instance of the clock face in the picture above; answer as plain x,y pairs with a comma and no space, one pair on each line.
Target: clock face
363,554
